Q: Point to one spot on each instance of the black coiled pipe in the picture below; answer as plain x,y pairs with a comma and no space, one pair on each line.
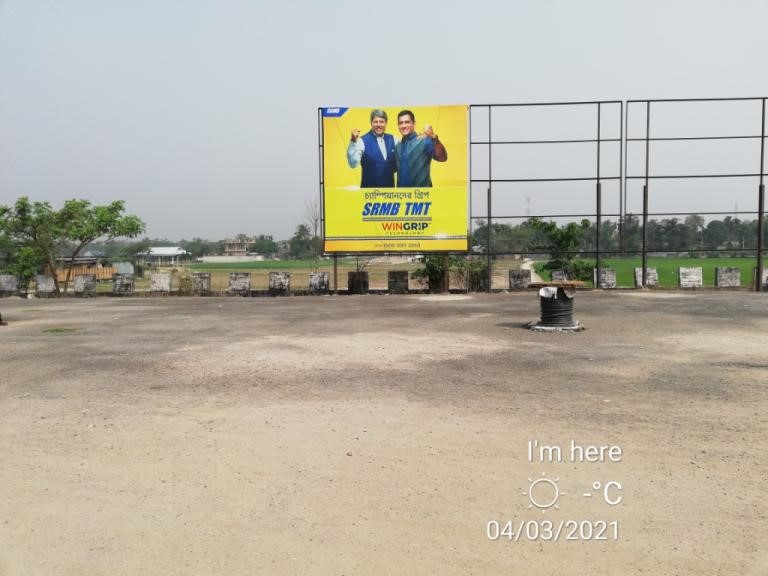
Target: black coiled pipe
557,312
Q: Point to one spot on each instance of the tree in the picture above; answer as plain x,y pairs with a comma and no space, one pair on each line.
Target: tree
7,246
506,239
36,225
264,244
200,247
301,244
84,223
563,244
26,263
471,272
694,231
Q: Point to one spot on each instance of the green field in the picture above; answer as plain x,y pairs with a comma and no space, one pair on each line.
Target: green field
667,269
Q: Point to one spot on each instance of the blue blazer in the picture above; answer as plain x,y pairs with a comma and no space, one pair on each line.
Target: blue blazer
378,172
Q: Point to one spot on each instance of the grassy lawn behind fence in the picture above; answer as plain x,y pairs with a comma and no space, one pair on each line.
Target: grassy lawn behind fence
667,269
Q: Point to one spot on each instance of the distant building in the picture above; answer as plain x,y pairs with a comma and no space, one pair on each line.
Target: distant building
163,256
90,258
237,246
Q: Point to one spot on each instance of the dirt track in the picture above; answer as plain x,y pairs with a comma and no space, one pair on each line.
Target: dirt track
378,435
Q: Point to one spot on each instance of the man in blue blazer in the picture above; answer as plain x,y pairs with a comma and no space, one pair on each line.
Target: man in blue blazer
375,152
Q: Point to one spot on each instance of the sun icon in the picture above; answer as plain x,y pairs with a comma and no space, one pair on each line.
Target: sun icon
543,493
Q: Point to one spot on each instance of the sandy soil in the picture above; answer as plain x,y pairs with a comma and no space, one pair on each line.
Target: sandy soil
378,435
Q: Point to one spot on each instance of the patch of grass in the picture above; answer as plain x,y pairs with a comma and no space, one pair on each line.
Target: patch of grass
60,330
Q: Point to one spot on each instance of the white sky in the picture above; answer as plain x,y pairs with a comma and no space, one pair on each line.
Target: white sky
202,114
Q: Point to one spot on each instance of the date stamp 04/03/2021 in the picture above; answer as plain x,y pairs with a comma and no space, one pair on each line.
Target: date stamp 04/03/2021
545,494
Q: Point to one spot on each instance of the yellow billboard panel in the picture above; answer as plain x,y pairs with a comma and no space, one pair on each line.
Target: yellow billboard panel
395,179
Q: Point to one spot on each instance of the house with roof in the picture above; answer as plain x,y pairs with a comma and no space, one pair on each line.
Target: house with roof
163,256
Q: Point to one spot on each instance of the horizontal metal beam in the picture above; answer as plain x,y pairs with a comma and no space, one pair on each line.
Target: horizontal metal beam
586,179
587,141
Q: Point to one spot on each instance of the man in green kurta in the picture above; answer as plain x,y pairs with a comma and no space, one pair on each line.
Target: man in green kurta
415,152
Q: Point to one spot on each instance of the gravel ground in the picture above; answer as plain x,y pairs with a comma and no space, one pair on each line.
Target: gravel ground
378,435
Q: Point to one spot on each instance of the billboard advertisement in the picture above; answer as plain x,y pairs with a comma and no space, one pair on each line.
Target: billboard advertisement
395,179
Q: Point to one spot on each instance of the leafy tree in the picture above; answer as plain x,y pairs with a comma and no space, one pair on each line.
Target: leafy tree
472,272
506,239
7,246
25,265
633,233
37,226
301,245
609,236
694,237
563,243
434,270
199,247
264,244
84,223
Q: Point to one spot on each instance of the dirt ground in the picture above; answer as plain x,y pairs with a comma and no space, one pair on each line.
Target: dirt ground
383,435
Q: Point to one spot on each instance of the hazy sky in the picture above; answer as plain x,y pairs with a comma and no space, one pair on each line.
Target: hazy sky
202,114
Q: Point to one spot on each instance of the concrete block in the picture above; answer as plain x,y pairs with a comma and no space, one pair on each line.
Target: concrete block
651,278
519,279
318,282
201,282
44,285
727,277
763,280
357,282
607,278
240,283
397,281
122,283
85,285
279,283
160,282
9,284
690,277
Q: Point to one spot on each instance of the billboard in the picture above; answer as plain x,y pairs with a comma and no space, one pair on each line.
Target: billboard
395,179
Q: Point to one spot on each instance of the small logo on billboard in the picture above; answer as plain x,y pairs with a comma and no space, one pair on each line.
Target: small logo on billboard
333,112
